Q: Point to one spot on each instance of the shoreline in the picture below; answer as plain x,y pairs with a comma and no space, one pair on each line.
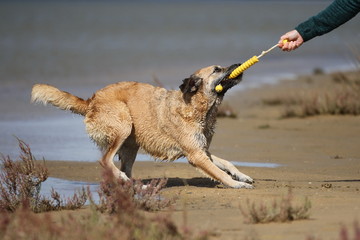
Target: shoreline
319,157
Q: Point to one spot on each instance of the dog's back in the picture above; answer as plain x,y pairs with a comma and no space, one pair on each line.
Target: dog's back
143,109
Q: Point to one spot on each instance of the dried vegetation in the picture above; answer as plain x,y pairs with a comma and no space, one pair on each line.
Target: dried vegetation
338,96
279,211
119,214
20,183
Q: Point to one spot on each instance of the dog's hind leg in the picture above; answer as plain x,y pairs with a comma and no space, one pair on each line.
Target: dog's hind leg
107,159
202,161
127,155
229,168
109,125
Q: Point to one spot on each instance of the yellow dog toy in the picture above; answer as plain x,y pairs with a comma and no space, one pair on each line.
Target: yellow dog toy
237,71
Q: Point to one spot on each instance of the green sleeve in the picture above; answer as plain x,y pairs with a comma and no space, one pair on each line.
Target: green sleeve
336,14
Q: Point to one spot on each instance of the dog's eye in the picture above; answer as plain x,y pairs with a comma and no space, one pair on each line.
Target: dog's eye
217,69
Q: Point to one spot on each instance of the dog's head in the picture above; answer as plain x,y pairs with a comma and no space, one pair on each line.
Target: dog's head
206,79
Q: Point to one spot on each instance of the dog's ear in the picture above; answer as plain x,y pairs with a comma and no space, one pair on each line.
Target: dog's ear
191,84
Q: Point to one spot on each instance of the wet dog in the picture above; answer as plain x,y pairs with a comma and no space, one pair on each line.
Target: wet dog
126,116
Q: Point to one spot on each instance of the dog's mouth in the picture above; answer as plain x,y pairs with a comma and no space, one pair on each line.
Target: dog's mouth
227,82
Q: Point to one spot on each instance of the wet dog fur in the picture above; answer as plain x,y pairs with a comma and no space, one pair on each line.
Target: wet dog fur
126,116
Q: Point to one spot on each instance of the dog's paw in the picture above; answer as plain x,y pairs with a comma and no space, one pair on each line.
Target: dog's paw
121,175
249,180
242,178
243,185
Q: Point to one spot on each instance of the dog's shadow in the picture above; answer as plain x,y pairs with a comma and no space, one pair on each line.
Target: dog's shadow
182,182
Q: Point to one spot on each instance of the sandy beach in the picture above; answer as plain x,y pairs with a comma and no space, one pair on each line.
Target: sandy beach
319,159
82,46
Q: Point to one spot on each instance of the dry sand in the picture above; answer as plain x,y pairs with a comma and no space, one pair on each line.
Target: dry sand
319,157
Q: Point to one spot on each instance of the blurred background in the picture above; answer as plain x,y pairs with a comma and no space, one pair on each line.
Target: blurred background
81,46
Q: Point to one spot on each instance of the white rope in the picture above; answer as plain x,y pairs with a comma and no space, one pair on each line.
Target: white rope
265,52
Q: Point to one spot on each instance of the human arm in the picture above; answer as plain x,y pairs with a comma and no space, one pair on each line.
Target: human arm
336,14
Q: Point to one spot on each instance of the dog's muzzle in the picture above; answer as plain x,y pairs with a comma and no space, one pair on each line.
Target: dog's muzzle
226,83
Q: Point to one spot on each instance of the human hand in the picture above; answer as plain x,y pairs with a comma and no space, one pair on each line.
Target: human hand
294,40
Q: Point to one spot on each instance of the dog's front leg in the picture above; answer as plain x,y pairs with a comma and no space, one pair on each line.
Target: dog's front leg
231,169
202,161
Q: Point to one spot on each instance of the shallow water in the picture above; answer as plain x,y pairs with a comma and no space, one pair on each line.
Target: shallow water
67,188
146,158
84,45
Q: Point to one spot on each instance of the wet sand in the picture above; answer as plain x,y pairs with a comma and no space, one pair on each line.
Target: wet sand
319,157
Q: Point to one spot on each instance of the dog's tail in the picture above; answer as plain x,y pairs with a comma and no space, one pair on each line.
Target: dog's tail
48,94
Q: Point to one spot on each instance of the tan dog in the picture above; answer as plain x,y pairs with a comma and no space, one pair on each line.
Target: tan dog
125,116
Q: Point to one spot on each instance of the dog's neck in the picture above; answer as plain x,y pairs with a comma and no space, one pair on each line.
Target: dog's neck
200,107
